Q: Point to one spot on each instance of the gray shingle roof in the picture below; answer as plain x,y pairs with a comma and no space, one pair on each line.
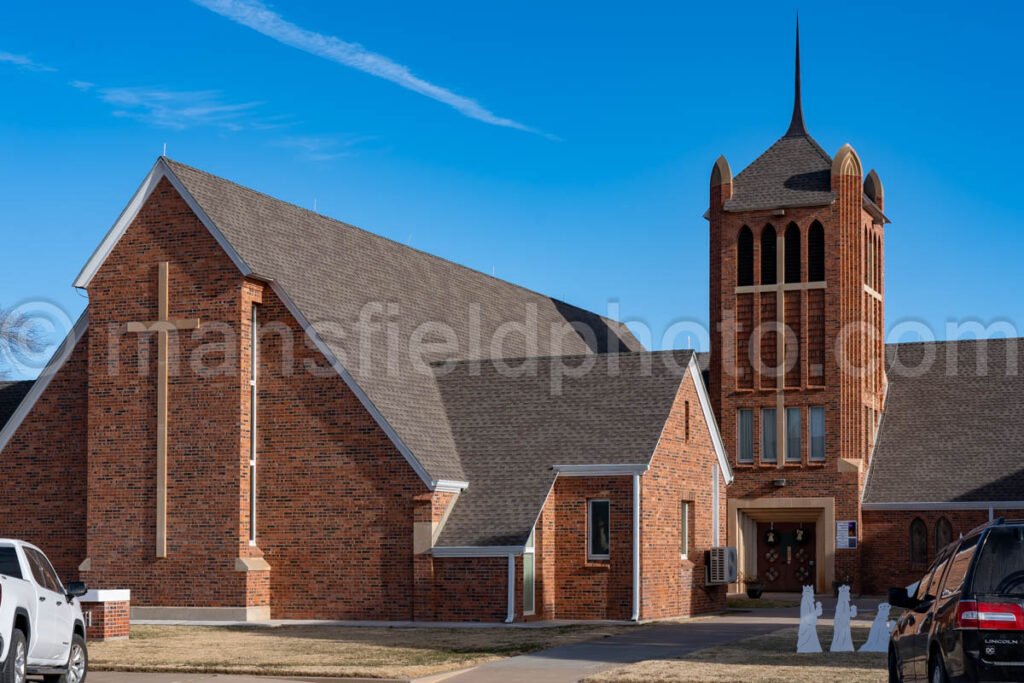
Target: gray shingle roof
11,395
795,171
511,430
332,270
951,432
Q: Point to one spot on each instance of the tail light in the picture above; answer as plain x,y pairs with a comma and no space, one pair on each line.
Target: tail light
989,616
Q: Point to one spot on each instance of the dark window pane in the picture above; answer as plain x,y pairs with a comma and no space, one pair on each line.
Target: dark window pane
958,567
816,253
817,433
768,435
793,434
1000,568
745,257
919,542
768,256
792,253
9,564
746,436
600,541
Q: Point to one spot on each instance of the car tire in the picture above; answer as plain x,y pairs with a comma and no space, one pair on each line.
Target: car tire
14,669
937,670
895,676
78,664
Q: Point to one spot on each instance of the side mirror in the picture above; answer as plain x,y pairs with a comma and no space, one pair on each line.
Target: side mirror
898,597
76,589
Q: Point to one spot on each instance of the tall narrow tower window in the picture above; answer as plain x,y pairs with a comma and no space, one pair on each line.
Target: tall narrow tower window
745,257
792,253
816,253
768,256
254,362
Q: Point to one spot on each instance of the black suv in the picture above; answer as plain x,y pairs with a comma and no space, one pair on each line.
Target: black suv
964,620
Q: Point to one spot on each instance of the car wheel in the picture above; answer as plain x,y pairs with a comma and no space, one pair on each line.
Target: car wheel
17,659
78,663
895,675
938,670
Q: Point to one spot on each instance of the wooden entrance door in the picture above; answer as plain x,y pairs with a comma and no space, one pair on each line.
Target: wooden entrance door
785,556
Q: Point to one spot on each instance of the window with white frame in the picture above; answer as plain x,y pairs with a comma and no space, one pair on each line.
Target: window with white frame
793,434
598,530
745,435
529,576
817,428
685,511
768,435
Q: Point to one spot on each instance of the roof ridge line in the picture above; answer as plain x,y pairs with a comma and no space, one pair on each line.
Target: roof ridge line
391,240
594,354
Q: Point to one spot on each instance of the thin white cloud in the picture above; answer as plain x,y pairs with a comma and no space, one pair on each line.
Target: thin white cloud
175,109
255,15
321,147
23,62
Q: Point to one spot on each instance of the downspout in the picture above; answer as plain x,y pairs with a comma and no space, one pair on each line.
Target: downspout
636,548
511,589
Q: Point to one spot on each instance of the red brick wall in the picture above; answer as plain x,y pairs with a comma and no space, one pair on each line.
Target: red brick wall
107,620
43,470
886,553
681,470
203,415
472,588
335,499
590,589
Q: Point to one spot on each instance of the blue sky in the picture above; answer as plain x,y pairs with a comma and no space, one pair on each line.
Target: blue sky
563,146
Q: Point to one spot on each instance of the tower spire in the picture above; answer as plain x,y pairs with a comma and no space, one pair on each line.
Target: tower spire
796,125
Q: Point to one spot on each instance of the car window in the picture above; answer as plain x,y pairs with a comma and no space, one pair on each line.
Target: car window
42,572
930,585
9,564
1000,566
958,566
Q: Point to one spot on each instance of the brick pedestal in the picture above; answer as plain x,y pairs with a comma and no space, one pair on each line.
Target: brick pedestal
106,614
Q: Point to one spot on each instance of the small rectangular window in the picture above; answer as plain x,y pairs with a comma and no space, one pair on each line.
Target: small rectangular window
793,435
599,530
768,438
684,531
746,436
817,420
529,576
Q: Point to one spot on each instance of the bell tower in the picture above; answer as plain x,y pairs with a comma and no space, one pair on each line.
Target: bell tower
797,363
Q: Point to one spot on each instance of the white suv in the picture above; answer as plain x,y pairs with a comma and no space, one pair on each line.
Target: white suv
42,632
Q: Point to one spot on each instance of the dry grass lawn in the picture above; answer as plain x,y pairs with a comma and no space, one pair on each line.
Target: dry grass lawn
759,660
326,650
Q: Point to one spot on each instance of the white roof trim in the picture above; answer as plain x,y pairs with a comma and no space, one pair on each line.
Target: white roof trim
874,447
159,171
450,486
709,418
162,170
477,551
966,505
61,355
600,470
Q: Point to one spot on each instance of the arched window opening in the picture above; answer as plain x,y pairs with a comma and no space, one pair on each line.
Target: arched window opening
793,253
816,253
769,274
918,542
745,257
943,534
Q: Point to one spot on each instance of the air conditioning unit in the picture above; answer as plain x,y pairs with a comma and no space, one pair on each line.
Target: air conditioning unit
720,566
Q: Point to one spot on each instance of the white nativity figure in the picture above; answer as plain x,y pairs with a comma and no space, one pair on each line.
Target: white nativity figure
881,627
842,641
810,610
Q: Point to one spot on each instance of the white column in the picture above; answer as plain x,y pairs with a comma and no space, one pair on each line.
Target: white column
636,547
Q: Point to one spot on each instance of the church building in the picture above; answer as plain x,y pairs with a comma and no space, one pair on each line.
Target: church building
855,461
266,413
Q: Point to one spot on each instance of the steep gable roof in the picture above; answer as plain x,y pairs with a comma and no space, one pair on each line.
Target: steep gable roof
512,429
334,277
951,408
